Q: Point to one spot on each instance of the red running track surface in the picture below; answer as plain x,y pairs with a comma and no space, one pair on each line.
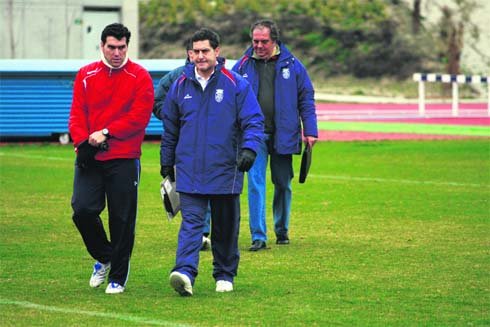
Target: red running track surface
470,114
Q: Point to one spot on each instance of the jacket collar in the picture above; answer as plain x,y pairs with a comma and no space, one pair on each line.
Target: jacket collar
283,52
275,54
189,69
104,60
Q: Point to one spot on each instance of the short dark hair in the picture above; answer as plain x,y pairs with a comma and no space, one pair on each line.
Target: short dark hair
116,30
268,23
206,34
188,44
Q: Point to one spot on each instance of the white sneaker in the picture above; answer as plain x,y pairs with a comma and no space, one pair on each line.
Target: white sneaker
114,288
206,243
224,286
181,283
101,271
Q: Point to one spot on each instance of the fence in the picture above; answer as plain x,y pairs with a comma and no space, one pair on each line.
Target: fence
35,95
454,80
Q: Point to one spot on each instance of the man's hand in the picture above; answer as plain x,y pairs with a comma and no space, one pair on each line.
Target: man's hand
97,138
310,140
85,154
167,171
246,160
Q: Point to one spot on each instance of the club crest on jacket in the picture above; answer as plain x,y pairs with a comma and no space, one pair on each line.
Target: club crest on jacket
286,73
218,96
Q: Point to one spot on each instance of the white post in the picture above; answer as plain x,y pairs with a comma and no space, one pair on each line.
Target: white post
488,94
422,98
455,99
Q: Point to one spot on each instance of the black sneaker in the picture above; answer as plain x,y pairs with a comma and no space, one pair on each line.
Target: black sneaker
282,240
257,246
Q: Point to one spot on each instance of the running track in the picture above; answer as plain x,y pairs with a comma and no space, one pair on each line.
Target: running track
474,114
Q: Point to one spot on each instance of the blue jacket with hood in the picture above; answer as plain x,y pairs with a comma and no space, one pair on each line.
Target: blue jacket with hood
294,99
204,131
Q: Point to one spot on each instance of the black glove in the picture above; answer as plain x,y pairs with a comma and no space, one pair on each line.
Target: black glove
167,171
157,110
85,154
246,160
104,146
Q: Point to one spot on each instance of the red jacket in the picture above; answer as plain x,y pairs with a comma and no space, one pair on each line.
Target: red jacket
120,100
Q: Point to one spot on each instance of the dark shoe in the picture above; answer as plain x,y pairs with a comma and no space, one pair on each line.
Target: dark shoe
258,245
206,243
282,240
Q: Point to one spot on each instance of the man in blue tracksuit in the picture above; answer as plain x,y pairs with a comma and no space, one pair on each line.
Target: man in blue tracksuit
160,94
213,127
286,97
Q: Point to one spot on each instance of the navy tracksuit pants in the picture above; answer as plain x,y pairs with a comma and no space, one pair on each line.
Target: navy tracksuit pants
117,181
225,225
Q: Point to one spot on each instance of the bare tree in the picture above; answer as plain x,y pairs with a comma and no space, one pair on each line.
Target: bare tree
452,34
452,26
416,17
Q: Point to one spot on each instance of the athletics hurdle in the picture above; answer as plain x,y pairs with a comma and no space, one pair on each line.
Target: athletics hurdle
454,80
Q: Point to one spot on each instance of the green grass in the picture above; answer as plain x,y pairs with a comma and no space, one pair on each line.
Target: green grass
383,234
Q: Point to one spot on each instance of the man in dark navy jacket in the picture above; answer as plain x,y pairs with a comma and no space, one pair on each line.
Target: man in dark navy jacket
213,126
286,97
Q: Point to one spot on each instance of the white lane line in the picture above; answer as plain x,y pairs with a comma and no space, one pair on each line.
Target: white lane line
400,181
35,156
334,177
135,319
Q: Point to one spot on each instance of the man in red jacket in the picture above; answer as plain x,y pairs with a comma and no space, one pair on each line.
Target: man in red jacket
111,107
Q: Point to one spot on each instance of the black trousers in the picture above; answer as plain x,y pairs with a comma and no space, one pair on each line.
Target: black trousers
117,182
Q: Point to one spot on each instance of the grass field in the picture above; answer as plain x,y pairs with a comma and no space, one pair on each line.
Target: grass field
383,234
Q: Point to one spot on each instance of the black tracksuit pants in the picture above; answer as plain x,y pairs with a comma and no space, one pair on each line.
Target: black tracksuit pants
117,181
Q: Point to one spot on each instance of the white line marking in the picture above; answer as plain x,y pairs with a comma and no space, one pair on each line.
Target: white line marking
401,181
334,177
34,156
135,319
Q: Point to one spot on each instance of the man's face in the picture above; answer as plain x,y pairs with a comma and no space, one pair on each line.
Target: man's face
115,50
204,56
262,43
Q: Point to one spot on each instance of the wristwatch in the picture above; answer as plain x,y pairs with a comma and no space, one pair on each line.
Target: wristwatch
105,132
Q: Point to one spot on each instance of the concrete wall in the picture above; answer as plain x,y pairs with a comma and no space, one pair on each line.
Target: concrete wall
55,29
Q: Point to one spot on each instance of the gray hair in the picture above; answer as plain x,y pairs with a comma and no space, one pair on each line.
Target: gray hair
268,23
